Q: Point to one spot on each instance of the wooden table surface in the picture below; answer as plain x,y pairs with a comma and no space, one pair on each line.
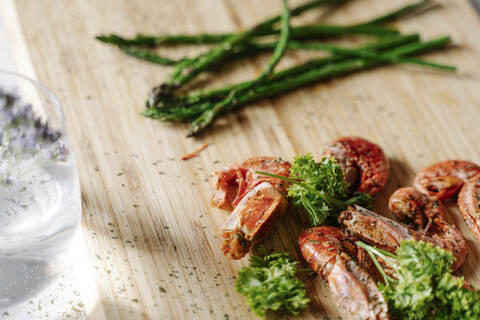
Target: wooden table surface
153,239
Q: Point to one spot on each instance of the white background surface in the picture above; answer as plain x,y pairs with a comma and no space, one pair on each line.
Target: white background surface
6,60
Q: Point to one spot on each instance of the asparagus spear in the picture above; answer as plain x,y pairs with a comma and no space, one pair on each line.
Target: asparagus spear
326,30
202,107
199,96
185,110
216,55
152,41
327,72
301,32
401,12
368,27
130,46
365,54
148,56
201,100
188,68
209,115
252,47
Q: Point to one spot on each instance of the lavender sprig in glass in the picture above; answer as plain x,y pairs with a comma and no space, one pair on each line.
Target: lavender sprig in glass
40,204
25,138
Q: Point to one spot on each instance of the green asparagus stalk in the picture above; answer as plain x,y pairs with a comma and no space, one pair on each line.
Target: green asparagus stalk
196,66
252,47
209,116
297,74
401,12
217,55
267,25
188,68
203,107
367,28
280,48
298,33
328,72
198,96
238,51
368,55
148,56
324,30
153,41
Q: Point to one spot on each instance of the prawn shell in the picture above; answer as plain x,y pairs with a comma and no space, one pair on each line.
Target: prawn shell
469,204
444,179
410,205
355,291
327,250
375,229
387,234
361,160
320,246
243,177
252,219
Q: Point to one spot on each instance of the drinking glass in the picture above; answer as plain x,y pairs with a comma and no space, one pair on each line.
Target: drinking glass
40,206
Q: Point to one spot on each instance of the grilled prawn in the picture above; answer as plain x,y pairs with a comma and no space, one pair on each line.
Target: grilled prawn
329,252
387,234
258,203
445,179
429,217
363,163
377,230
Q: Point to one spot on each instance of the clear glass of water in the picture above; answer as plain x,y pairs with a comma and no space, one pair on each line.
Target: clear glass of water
40,207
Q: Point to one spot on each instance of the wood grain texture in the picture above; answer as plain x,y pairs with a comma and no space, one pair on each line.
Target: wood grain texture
151,234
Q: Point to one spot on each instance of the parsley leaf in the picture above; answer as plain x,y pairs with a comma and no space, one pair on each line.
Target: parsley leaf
320,188
269,283
423,286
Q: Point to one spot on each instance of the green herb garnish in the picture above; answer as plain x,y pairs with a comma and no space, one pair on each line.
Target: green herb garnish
269,283
422,286
320,188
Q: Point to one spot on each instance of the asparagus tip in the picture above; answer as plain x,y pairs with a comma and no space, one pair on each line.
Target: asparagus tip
149,113
103,38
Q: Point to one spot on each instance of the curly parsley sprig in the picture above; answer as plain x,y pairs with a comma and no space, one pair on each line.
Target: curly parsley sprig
320,188
269,283
422,286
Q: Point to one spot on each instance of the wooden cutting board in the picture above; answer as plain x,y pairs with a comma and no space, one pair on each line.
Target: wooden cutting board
152,236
